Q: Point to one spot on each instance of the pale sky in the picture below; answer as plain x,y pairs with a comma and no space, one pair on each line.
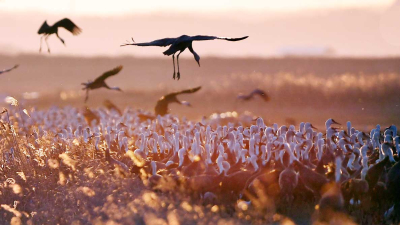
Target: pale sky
275,27
116,7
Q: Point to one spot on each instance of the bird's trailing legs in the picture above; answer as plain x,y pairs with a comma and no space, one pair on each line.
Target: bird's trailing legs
177,62
48,48
60,39
87,95
41,40
173,62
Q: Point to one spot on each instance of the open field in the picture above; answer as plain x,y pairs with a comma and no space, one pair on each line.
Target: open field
60,167
311,89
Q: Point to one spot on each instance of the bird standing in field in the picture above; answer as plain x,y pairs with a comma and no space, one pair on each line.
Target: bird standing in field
100,82
162,104
8,70
180,44
47,30
250,96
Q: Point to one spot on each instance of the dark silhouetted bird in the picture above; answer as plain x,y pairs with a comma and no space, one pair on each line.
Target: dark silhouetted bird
162,104
47,30
100,82
180,44
8,70
250,96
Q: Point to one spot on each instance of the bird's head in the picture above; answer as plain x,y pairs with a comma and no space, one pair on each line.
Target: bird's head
197,58
116,88
185,103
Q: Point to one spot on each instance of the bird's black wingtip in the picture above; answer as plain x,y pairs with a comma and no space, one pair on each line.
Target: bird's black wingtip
242,38
238,39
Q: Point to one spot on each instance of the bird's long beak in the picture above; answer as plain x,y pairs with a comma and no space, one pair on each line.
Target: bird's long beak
198,62
336,122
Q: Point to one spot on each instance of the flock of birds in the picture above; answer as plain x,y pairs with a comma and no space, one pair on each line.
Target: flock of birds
178,44
335,169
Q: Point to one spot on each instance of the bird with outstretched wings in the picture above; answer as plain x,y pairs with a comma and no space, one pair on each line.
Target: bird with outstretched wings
180,44
99,82
162,104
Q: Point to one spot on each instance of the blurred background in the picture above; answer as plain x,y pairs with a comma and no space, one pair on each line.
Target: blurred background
316,59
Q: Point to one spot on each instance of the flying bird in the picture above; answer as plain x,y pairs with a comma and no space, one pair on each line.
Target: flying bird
8,70
162,104
250,96
180,44
47,30
100,82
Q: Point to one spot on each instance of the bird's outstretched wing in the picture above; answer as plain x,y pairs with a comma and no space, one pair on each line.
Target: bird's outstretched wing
8,70
160,42
69,25
108,74
188,91
206,38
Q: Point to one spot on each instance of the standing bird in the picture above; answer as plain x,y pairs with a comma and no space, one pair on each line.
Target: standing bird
180,44
47,30
8,70
162,104
250,96
100,82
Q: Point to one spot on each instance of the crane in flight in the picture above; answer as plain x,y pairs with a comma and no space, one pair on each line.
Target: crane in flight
250,96
180,44
100,82
162,104
47,30
8,70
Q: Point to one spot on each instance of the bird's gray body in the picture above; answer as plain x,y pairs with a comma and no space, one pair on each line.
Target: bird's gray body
180,44
46,29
